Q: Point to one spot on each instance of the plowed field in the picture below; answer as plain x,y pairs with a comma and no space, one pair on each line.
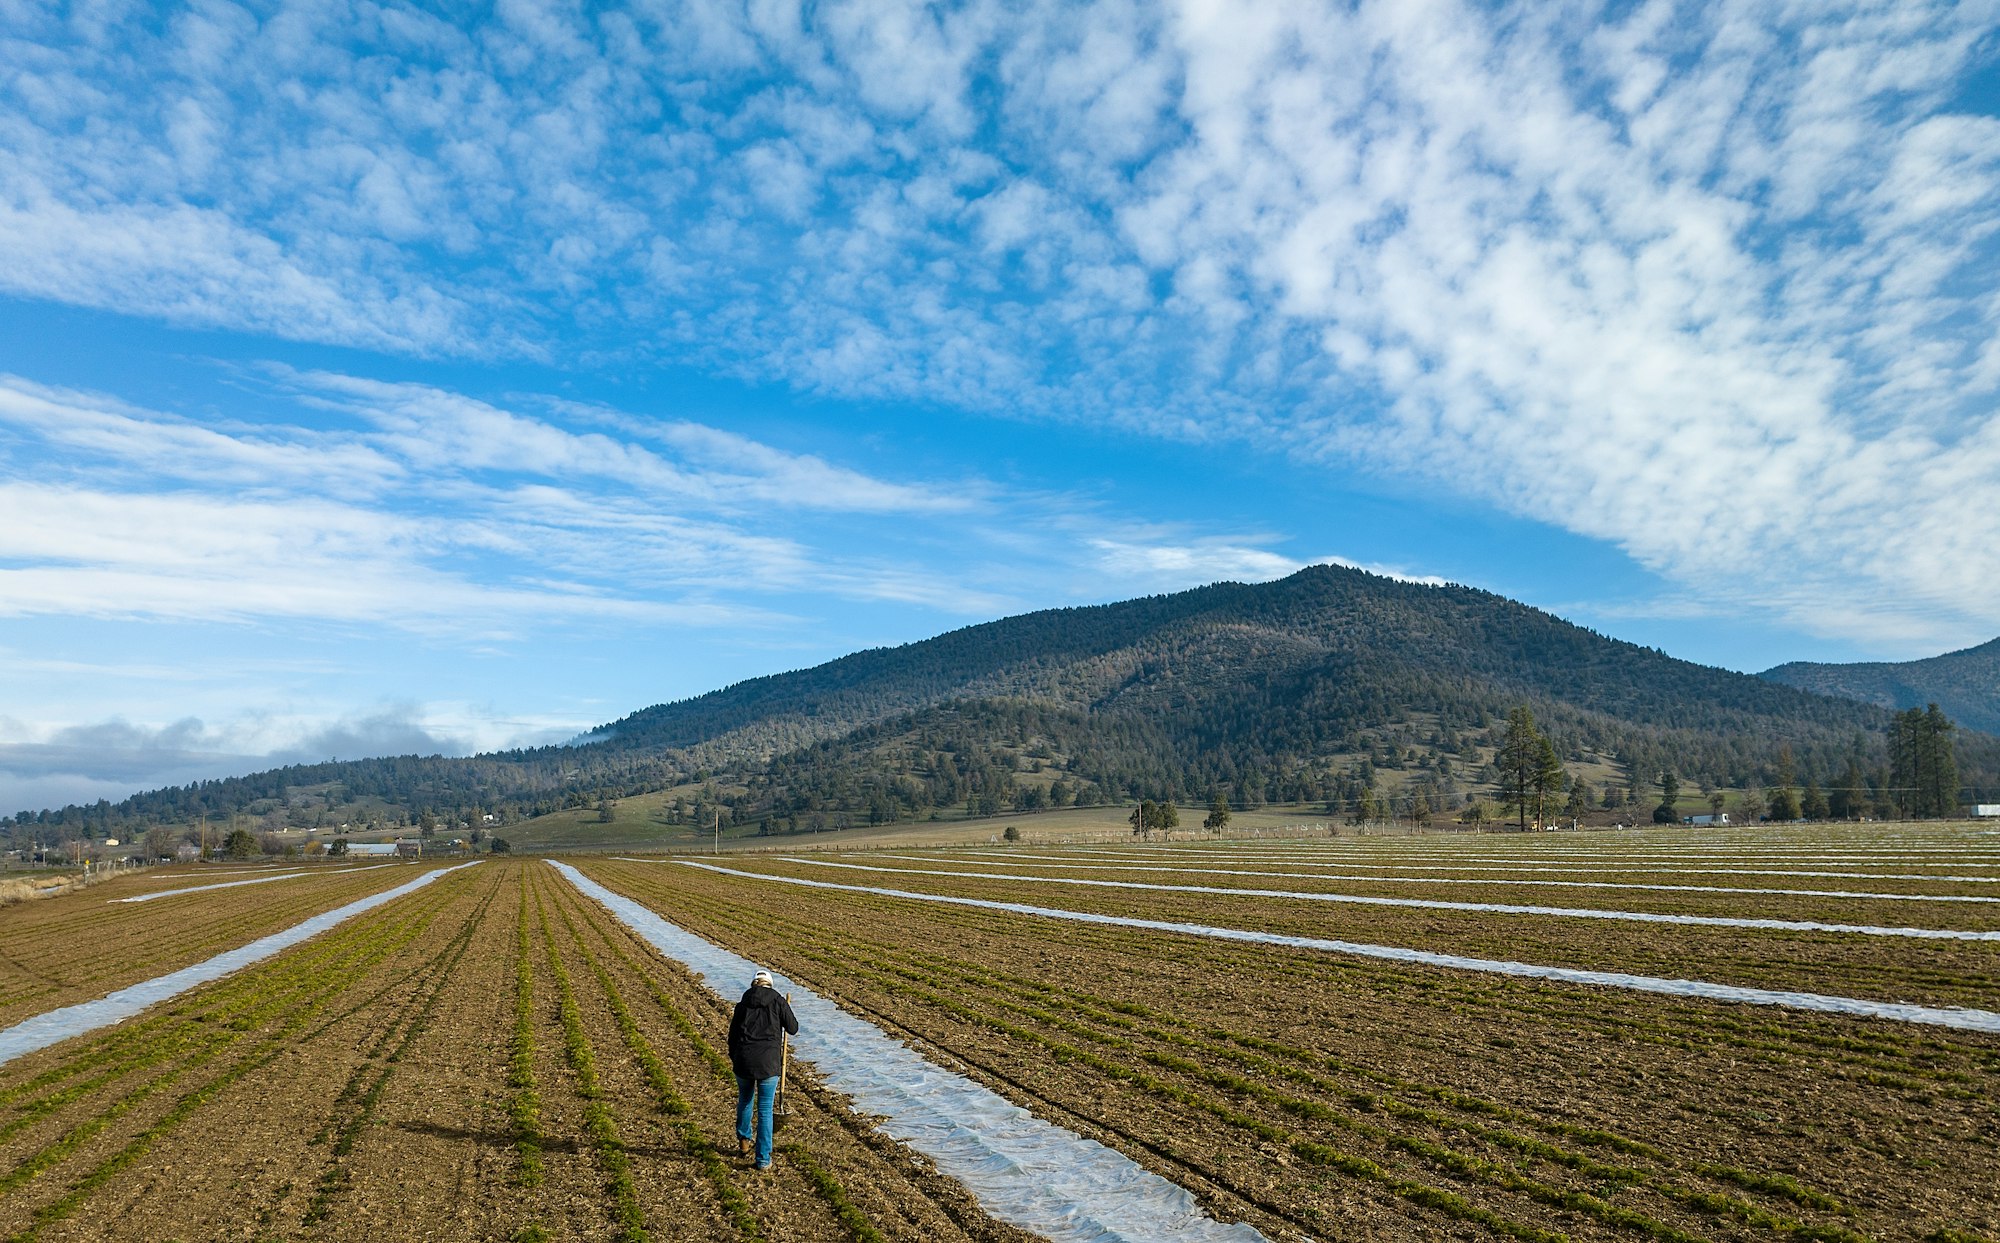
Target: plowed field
488,1058
55,951
494,1056
1339,1097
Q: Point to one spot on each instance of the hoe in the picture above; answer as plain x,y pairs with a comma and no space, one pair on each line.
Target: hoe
780,1113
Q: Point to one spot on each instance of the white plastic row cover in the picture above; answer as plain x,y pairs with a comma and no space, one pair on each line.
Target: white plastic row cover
1902,1012
1477,882
1024,1171
257,880
1435,904
56,1026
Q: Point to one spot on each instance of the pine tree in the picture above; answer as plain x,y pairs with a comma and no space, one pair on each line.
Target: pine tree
1923,766
1218,814
1784,799
1670,793
1813,804
1903,761
1939,781
1549,777
1849,799
1519,760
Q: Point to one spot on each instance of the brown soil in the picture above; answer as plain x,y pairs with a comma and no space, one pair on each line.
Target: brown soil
1341,1097
357,1088
1932,972
81,945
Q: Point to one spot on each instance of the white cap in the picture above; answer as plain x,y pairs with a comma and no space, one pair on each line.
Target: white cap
762,977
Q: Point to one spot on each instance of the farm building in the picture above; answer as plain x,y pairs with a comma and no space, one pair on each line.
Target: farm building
1707,819
1981,810
406,849
371,848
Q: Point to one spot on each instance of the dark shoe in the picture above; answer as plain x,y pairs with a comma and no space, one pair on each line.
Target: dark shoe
743,1148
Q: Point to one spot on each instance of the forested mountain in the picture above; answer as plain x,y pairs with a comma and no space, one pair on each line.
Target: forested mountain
1966,684
1324,686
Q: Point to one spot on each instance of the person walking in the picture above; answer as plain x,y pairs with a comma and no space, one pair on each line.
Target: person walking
757,1033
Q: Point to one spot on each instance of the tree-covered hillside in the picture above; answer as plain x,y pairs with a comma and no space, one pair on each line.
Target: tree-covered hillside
1965,684
1332,685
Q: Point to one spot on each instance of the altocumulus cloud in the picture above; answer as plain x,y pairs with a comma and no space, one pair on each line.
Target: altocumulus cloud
1709,281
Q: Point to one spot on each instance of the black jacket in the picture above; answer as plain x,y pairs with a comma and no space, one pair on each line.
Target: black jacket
756,1032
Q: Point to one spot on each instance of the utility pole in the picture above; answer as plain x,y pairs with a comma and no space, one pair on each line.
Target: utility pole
718,828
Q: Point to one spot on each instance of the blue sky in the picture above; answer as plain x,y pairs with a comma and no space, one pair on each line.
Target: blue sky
371,381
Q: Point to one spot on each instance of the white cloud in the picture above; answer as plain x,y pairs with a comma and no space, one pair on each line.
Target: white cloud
1160,559
442,515
1176,564
432,511
1711,282
114,435
115,757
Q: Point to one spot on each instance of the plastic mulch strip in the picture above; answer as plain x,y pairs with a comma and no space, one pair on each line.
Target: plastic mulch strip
1024,1171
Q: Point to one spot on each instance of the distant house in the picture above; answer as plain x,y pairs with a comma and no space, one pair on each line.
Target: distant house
409,849
187,852
1706,819
371,848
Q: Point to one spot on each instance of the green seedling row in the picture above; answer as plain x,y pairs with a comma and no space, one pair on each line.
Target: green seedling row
823,1182
274,991
856,1222
524,1109
670,1100
1216,1042
599,1124
402,1030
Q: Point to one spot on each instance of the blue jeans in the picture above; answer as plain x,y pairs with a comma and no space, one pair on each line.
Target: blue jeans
761,1092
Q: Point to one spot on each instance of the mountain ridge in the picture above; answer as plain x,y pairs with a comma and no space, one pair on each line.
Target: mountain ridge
1964,683
1305,688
